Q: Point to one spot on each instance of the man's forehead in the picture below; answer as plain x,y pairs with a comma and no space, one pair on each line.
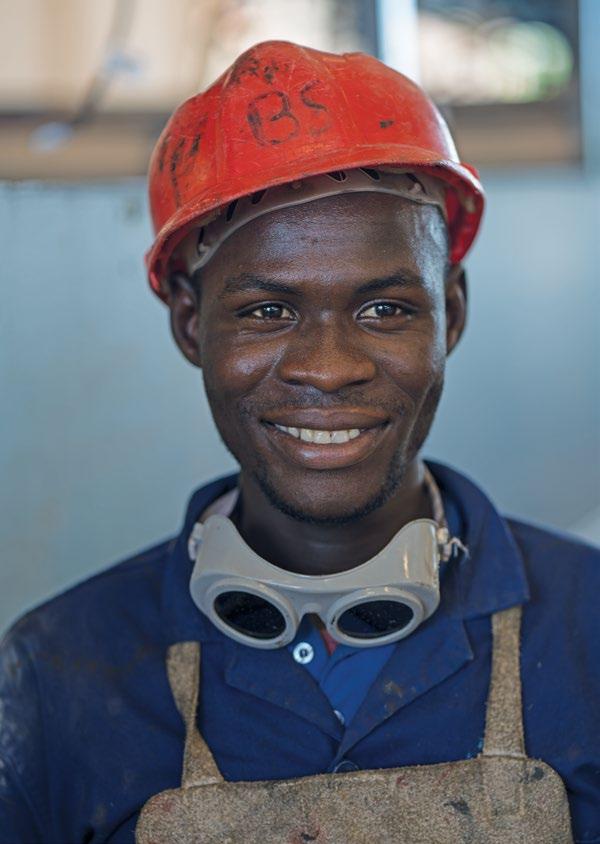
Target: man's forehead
365,228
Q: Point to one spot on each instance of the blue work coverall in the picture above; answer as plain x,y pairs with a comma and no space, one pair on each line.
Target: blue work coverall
89,730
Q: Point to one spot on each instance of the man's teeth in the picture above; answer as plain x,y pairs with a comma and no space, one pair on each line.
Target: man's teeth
310,435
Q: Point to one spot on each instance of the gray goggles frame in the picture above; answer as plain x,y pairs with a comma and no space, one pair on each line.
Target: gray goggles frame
405,571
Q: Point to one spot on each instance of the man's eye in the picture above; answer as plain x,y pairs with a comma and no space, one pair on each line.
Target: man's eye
271,311
381,310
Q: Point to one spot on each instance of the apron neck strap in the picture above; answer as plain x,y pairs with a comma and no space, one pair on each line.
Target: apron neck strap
504,717
183,670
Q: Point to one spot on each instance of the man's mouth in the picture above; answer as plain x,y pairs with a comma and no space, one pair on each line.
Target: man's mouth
313,435
340,440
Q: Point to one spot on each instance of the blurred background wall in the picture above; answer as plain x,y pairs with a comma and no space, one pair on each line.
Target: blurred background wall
104,431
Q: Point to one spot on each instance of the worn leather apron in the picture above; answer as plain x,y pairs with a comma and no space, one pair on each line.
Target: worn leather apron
500,796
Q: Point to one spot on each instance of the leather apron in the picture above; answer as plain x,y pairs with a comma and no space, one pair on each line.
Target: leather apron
500,796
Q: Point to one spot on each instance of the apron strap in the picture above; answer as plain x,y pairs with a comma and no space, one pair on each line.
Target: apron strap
504,717
504,720
183,671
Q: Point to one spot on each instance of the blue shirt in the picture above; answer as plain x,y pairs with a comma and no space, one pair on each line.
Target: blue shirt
89,730
346,675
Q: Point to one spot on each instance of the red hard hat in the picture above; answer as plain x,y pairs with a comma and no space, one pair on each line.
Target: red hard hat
283,112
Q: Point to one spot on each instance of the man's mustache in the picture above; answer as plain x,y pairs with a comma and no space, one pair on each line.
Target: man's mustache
317,400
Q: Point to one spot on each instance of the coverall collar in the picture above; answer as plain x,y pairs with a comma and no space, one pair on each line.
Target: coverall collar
491,576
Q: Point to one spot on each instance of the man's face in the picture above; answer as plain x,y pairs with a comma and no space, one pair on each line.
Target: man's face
328,317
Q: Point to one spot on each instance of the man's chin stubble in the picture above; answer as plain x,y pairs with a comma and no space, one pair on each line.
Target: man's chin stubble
392,483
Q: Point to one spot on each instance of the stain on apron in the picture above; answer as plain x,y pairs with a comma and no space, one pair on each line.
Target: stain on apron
500,796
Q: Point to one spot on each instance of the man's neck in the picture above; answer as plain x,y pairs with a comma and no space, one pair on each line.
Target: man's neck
314,549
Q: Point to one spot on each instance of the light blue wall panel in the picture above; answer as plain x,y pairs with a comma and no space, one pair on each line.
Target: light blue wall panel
104,429
522,405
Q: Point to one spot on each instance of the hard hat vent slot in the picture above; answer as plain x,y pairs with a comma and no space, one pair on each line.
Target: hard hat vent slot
372,174
338,175
256,197
200,245
417,186
231,210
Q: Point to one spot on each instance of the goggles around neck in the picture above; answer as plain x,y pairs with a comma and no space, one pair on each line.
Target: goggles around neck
375,603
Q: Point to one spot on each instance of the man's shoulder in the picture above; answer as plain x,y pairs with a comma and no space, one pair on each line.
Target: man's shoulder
124,595
122,603
563,573
538,543
535,542
559,573
65,663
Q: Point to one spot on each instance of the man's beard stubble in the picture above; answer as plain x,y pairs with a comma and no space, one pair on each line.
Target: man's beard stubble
397,468
391,484
395,475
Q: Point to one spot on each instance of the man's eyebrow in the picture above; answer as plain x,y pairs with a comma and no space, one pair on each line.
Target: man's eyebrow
402,278
248,281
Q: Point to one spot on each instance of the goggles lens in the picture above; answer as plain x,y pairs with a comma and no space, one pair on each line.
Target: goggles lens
250,615
374,619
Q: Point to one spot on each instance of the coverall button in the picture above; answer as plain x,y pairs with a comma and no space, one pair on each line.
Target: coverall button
303,653
345,766
340,716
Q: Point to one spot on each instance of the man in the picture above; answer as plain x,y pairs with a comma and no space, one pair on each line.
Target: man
338,607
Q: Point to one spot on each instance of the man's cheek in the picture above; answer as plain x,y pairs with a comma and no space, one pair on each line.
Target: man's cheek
237,365
230,413
412,375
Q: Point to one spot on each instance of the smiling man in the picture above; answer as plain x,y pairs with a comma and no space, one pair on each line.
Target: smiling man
343,644
322,330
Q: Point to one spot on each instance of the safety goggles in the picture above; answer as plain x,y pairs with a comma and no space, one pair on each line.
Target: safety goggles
375,603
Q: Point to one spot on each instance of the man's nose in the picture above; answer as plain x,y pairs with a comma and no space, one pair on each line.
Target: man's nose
326,356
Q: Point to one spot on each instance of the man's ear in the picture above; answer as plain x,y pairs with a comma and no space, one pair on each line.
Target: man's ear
456,305
184,307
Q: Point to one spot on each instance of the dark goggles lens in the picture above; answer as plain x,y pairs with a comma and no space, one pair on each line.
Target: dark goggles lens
374,619
249,614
